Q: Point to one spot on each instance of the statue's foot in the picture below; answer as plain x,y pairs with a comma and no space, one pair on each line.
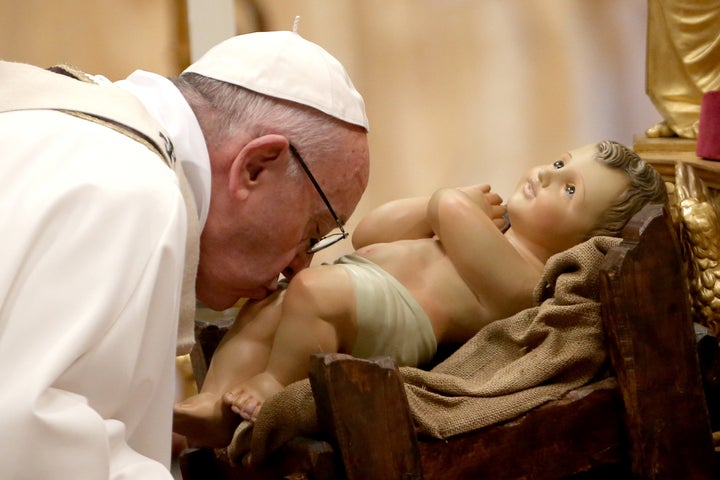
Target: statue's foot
248,399
660,130
205,420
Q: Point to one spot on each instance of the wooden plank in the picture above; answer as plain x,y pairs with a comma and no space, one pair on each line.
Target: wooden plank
301,458
362,407
371,427
575,434
655,410
652,346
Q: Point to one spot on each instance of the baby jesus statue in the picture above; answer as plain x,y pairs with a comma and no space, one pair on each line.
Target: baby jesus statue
426,271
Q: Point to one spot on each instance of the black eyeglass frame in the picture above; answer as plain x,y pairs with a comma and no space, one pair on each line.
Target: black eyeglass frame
332,238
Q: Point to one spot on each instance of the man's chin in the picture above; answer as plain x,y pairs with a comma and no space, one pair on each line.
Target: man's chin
218,297
219,302
256,294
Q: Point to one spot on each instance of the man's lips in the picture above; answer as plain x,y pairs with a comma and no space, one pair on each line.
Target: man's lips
261,291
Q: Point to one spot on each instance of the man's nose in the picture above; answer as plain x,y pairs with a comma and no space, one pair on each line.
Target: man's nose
300,261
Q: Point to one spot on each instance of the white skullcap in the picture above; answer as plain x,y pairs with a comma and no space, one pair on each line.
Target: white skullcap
285,65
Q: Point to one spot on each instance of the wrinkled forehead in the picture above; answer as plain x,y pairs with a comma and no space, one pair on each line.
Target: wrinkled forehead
345,176
345,191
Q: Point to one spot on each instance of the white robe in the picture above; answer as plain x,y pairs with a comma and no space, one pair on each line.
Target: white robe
93,230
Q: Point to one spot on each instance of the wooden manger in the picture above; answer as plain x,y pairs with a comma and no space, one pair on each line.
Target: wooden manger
648,420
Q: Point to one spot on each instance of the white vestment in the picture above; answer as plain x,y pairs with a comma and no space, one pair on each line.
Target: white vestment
93,232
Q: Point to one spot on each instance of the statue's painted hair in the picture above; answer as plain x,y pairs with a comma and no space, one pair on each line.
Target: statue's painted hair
645,186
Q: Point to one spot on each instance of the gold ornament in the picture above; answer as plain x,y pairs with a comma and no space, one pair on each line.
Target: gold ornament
699,223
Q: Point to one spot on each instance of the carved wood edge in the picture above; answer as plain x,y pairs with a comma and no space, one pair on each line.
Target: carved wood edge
650,338
374,433
361,405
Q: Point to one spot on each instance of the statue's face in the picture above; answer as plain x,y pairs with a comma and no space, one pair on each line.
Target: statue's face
557,204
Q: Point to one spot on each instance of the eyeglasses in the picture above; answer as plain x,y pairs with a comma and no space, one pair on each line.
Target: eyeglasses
331,239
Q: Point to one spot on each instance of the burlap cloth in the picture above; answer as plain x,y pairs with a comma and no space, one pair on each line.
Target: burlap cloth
508,368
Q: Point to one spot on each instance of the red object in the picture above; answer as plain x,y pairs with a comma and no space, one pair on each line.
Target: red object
708,142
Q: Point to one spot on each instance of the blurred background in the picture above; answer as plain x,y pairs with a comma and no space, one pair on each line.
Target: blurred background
457,91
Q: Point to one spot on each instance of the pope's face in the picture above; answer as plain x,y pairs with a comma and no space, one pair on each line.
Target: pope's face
558,204
246,247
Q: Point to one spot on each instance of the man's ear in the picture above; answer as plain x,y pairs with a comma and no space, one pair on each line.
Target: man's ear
258,158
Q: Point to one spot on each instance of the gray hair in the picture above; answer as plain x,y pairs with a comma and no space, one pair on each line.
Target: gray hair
228,108
645,186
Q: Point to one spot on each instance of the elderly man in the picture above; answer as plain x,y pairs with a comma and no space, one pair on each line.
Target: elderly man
111,193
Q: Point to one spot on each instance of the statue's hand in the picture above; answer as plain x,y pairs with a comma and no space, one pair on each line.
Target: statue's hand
488,200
